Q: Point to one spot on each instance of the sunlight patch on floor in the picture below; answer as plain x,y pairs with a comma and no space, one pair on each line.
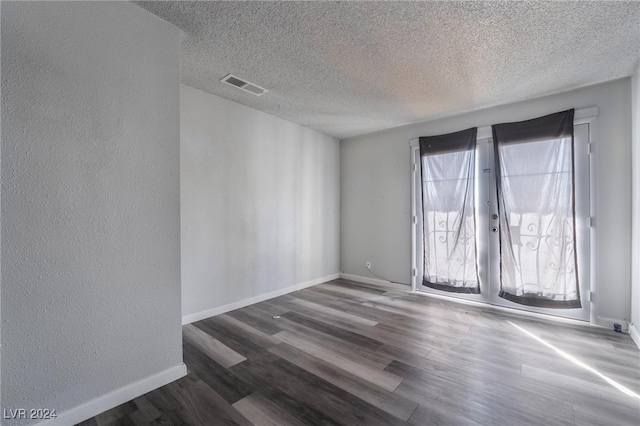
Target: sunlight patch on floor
579,363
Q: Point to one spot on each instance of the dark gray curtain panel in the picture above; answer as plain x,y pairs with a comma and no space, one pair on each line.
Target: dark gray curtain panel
536,206
448,200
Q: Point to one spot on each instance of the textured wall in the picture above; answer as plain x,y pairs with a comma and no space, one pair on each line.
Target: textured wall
635,244
376,189
259,202
90,201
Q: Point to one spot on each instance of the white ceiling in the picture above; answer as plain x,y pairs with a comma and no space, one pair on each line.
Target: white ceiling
350,68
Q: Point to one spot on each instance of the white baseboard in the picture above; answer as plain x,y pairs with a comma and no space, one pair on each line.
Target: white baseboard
635,334
208,313
117,397
375,281
608,323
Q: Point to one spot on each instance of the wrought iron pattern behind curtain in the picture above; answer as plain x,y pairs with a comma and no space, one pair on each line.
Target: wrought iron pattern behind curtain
536,204
448,201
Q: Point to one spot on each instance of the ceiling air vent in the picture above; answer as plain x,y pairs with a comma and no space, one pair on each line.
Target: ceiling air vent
254,89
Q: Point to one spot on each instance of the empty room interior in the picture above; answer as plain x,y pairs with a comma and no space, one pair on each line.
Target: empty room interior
320,213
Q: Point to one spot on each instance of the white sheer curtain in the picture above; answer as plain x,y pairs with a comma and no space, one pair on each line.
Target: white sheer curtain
449,228
535,178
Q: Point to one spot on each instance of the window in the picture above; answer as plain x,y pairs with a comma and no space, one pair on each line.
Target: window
526,247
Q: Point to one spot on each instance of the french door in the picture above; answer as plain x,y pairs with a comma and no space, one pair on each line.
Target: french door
487,238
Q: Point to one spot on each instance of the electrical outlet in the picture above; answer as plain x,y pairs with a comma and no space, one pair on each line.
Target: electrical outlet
368,265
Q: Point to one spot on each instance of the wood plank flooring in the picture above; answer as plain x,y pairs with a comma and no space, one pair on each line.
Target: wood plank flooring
345,353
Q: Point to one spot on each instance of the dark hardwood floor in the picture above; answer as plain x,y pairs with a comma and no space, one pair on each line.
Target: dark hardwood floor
344,353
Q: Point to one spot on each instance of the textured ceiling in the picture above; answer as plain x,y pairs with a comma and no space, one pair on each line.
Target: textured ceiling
349,68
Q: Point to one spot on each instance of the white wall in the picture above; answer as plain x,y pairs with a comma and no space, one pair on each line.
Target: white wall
375,189
634,330
90,201
259,204
0,216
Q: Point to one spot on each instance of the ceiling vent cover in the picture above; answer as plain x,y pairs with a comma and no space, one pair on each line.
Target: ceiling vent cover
234,81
